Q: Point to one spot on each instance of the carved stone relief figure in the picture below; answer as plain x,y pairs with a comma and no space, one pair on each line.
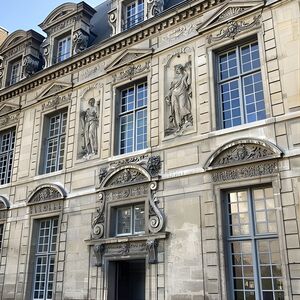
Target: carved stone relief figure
178,99
90,122
155,7
31,65
80,41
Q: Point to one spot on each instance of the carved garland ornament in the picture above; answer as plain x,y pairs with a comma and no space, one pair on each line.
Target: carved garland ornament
56,101
242,151
148,247
233,28
131,71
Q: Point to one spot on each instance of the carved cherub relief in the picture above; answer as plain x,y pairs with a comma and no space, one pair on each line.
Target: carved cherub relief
178,99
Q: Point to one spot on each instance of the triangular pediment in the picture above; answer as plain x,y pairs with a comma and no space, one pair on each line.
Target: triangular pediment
54,89
8,108
229,11
127,57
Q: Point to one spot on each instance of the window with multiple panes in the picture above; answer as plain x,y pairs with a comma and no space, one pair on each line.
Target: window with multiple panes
130,219
132,118
252,241
45,259
15,72
63,49
7,145
240,88
55,142
134,13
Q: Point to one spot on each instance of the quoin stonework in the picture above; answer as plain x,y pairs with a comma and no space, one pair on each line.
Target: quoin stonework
150,150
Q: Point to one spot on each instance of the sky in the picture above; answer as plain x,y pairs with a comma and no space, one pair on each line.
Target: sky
27,14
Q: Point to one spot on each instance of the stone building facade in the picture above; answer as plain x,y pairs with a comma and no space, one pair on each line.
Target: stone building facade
150,150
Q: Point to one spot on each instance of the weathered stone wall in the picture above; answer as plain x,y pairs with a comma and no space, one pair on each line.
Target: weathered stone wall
191,262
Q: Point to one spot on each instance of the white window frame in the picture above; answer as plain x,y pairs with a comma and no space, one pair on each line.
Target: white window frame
136,17
241,88
134,111
56,162
132,219
63,49
15,72
7,154
46,254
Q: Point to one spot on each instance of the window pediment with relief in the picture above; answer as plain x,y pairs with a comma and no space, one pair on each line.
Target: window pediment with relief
68,32
229,11
9,113
46,198
243,158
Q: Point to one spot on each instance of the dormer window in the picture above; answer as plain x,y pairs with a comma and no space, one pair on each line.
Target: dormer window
134,13
15,74
63,49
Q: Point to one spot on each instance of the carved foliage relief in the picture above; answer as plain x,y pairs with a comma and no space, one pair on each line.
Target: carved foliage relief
88,145
243,159
242,152
178,98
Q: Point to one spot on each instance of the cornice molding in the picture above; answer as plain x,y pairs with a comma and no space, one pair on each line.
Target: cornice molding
117,43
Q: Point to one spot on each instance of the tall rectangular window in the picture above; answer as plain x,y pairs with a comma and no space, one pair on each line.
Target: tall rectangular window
55,142
45,259
15,72
134,13
240,88
7,145
133,118
63,49
253,248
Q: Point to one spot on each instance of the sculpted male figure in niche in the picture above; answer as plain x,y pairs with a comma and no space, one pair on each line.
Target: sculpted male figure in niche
90,122
179,100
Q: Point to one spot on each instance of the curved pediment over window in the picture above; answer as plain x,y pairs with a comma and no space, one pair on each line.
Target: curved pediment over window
45,193
125,175
58,14
242,151
13,39
4,203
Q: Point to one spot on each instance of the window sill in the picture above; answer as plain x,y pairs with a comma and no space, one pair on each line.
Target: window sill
47,175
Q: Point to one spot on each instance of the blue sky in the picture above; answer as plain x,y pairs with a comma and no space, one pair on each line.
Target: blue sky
27,14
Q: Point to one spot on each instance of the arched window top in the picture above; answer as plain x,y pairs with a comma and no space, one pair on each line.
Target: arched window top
125,175
4,203
242,151
46,192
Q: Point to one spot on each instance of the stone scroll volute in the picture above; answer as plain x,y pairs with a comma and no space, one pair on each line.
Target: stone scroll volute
178,92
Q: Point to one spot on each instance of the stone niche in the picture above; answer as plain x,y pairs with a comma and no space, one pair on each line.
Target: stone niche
179,103
88,129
